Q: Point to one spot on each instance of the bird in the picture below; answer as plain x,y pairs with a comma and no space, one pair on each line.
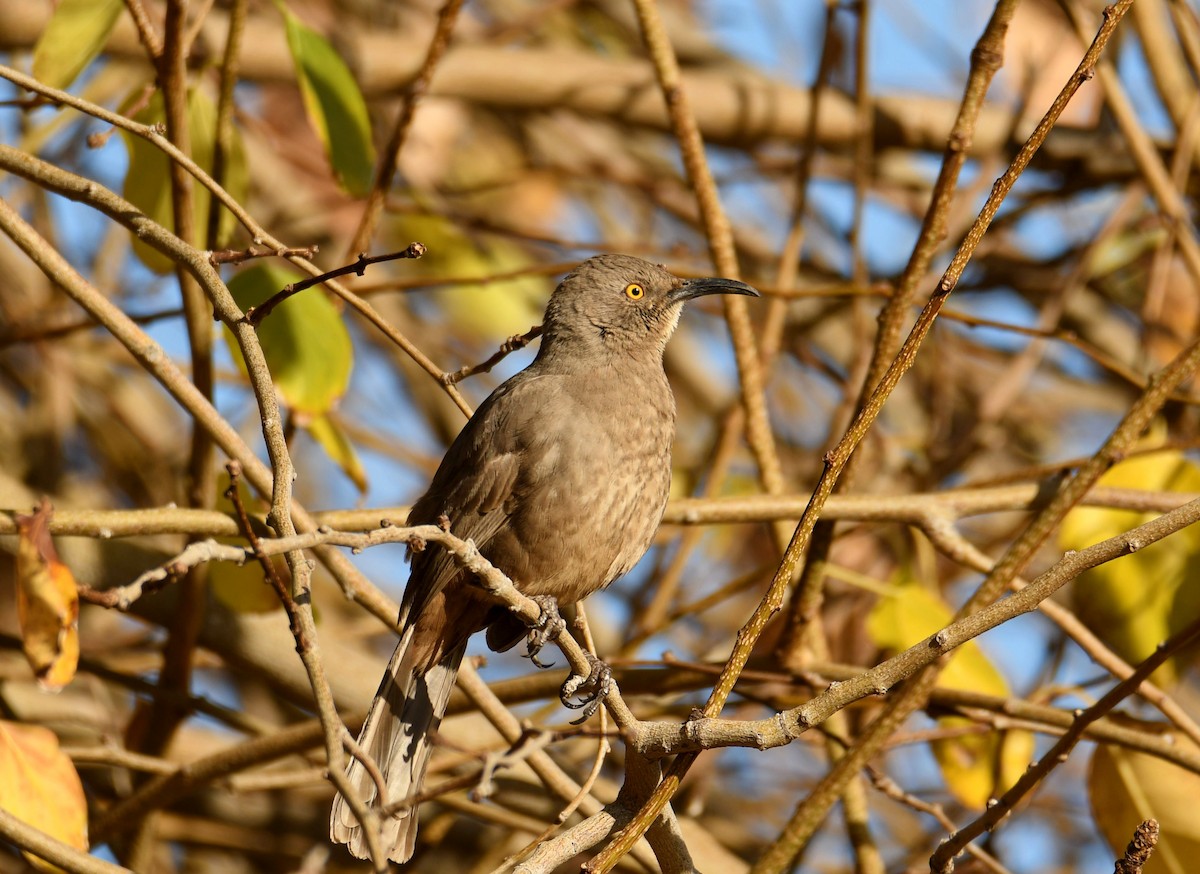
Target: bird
560,479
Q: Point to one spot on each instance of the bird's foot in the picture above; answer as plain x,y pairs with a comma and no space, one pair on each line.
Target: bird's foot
549,625
590,689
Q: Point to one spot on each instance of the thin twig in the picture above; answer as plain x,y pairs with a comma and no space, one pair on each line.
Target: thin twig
719,235
1137,854
238,256
26,837
150,39
946,538
912,509
893,790
512,344
703,732
390,156
194,555
233,495
223,139
837,458
1170,199
276,481
18,161
255,315
942,861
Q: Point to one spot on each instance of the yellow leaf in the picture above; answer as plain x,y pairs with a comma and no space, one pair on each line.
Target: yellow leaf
242,588
1137,601
47,603
980,766
74,35
148,183
40,787
1126,787
975,766
491,311
337,446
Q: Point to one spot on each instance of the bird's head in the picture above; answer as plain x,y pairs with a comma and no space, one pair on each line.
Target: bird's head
618,304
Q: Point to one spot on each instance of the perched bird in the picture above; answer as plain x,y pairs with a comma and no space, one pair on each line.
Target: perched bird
560,478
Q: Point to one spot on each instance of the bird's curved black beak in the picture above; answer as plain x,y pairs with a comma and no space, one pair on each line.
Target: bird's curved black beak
691,288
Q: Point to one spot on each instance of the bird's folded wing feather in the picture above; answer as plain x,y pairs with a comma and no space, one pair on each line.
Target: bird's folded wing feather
473,486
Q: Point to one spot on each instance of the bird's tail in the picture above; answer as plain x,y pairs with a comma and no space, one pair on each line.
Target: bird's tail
407,708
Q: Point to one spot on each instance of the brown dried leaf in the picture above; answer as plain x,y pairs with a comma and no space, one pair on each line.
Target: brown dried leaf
40,786
47,602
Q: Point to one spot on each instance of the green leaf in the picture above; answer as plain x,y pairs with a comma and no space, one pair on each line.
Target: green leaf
148,183
305,342
334,104
976,767
326,432
76,32
1137,601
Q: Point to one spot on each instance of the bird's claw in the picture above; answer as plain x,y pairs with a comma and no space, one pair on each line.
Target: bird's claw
590,689
549,625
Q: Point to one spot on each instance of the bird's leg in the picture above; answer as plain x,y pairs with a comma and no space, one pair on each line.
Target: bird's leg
590,689
548,627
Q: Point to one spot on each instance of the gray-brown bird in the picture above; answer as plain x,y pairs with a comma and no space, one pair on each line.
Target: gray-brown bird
560,478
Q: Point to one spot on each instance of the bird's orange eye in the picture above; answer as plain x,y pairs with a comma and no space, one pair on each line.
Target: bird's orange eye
635,291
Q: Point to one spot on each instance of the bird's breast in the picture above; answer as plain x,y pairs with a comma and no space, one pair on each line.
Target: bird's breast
593,490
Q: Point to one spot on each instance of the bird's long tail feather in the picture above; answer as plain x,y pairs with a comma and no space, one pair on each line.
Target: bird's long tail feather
407,708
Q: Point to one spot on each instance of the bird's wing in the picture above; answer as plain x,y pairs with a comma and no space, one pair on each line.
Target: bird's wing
472,486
